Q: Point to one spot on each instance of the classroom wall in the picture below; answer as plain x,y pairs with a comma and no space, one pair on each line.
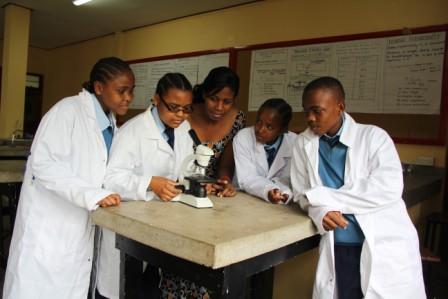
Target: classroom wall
37,59
262,22
69,67
37,64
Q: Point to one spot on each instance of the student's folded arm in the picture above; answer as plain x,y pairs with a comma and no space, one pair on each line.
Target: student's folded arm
125,169
381,188
301,184
299,176
50,161
248,178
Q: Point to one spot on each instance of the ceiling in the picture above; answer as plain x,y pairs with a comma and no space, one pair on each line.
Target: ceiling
55,23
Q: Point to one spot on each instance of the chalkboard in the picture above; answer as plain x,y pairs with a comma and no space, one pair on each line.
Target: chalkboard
394,79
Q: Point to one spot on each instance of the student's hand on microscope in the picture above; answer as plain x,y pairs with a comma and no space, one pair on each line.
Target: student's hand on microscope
164,188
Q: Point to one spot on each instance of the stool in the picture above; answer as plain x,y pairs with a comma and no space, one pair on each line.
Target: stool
436,223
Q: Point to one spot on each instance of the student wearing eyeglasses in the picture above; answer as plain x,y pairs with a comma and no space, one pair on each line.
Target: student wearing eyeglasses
145,160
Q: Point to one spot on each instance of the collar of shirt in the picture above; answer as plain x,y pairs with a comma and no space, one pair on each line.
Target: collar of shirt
275,145
159,123
101,117
338,134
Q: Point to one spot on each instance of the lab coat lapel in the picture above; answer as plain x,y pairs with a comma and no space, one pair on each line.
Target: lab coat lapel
89,111
348,133
154,134
311,144
281,158
347,138
260,157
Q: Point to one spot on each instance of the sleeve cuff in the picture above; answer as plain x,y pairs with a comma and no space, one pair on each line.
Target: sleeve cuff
317,214
92,203
143,187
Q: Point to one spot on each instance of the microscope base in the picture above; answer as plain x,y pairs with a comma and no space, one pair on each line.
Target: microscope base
197,202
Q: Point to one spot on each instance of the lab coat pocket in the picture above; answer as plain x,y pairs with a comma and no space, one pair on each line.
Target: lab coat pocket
61,246
393,265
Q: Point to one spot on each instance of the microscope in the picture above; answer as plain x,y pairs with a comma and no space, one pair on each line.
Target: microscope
192,179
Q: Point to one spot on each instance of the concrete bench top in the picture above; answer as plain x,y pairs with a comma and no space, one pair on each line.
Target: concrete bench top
235,229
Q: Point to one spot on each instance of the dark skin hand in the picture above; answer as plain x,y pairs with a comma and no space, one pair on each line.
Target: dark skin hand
226,167
275,196
222,188
164,188
334,219
110,200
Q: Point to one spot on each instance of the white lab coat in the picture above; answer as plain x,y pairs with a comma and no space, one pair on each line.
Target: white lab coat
390,258
52,244
138,152
252,171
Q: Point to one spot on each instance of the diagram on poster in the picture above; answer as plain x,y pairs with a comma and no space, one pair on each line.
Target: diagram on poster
380,75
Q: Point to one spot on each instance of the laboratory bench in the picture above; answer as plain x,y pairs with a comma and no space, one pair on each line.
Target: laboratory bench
220,248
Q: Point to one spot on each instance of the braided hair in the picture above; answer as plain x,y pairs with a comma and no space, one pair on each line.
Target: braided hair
105,70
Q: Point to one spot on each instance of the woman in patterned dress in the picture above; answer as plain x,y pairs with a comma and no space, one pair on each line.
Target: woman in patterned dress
216,120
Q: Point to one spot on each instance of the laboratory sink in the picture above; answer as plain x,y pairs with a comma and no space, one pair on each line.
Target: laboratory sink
17,150
16,142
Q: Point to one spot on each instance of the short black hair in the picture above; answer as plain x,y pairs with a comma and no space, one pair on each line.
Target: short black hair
105,70
172,80
282,108
326,82
218,79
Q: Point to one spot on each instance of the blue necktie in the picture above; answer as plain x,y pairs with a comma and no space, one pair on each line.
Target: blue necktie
108,134
332,141
170,134
270,155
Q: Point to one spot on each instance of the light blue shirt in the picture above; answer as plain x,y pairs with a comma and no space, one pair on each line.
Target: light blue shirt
159,123
331,171
275,145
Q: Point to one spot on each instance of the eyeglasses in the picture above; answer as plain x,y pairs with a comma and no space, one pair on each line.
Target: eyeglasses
187,109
